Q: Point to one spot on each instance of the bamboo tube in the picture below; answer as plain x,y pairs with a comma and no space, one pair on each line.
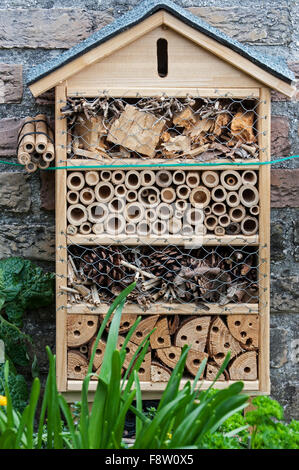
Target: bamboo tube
132,179
75,181
181,205
187,230
116,205
219,230
28,142
145,196
49,153
87,196
200,230
131,195
210,179
179,177
233,228
43,165
218,194
71,229
249,195
118,177
134,212
85,228
159,227
207,210
232,199
183,191
130,228
92,178
249,177
31,167
97,212
175,225
163,178
143,228
237,214
120,190
164,211
76,214
230,179
200,197
23,157
254,210
36,157
249,225
168,195
115,224
98,228
150,215
195,216
104,191
192,179
224,220
218,208
210,222
105,175
41,140
147,178
178,214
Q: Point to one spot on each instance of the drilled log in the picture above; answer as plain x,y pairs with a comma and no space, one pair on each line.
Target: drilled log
80,329
77,365
169,356
99,355
144,372
144,328
194,333
160,338
131,348
245,329
193,361
244,367
212,371
221,341
159,373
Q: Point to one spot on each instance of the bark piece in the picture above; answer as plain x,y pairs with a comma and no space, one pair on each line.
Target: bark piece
179,143
173,324
159,373
99,355
90,132
194,333
245,328
136,130
242,126
194,359
221,123
160,338
244,367
80,329
77,365
144,328
169,356
185,119
221,341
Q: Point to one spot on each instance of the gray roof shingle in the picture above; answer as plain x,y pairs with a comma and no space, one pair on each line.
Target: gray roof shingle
274,65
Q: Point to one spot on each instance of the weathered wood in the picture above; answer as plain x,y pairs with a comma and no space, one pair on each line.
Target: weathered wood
242,126
144,372
99,355
90,132
212,371
159,373
126,322
131,348
169,356
160,338
194,359
221,341
80,329
143,329
244,367
77,365
245,329
194,333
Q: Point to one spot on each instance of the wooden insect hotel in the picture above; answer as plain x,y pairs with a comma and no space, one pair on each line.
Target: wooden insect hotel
162,127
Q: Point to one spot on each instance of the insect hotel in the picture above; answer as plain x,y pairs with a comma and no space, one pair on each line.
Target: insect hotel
162,127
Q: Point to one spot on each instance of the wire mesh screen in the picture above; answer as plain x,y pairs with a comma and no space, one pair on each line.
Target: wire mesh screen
162,127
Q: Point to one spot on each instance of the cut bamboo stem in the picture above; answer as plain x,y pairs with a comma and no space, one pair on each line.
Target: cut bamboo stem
200,197
168,195
134,212
232,199
71,230
211,222
254,210
179,177
72,197
115,224
249,195
175,225
28,142
192,179
116,205
41,140
159,227
85,228
219,230
120,191
77,214
249,177
195,216
118,177
132,179
210,179
224,220
233,228
249,225
87,196
218,194
75,181
92,178
131,195
164,211
105,175
147,178
143,228
163,178
97,212
218,208
104,191
237,214
149,196
230,180
98,228
183,191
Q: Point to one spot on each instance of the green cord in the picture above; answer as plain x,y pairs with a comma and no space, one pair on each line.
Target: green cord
160,165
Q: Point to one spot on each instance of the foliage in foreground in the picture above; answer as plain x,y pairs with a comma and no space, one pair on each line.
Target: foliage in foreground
183,419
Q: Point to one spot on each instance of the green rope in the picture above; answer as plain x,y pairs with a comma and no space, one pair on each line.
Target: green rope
161,165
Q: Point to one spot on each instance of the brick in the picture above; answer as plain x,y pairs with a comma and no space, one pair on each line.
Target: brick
35,242
284,188
11,85
9,128
266,25
47,191
280,143
58,28
15,192
276,96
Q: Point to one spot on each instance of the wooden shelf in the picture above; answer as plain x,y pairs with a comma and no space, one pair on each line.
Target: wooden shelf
168,309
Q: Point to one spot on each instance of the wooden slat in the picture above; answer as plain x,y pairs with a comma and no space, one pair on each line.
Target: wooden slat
168,309
61,251
264,130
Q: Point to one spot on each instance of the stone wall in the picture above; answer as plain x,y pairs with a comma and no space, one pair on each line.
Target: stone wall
36,30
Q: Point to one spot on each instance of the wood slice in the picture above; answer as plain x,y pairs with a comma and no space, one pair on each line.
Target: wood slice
212,371
159,373
99,355
144,328
245,328
126,322
169,356
160,338
77,365
194,359
244,367
194,332
130,350
80,329
221,341
144,373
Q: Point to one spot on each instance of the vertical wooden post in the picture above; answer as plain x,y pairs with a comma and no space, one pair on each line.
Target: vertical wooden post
264,129
61,250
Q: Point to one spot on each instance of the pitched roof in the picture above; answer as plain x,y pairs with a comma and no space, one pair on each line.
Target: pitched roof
273,65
